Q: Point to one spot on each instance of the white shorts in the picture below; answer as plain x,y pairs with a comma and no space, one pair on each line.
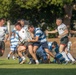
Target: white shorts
13,48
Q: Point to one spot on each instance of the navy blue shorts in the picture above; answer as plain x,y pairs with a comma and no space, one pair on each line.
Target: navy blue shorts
43,44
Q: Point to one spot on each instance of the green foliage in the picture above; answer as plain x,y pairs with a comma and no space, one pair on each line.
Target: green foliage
29,4
35,11
5,7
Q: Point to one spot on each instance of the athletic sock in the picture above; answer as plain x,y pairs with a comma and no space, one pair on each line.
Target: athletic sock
8,55
65,56
23,57
37,61
70,57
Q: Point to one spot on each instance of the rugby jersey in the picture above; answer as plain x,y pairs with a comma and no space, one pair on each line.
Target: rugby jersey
3,31
14,39
40,34
61,28
24,35
56,49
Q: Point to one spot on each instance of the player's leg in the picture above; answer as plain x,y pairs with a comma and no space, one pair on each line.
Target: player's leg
62,51
31,48
71,58
2,48
20,50
35,57
45,47
63,44
69,55
10,54
13,54
11,51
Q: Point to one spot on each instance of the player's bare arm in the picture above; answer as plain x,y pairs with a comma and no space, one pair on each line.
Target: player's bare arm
52,32
34,40
72,31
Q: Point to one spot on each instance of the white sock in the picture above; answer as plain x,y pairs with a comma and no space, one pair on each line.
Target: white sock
13,57
8,55
65,56
36,61
70,57
23,57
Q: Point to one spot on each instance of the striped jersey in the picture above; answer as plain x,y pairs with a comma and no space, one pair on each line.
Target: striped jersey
14,39
40,34
56,49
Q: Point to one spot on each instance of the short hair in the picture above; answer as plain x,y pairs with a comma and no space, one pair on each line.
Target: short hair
54,43
30,26
18,23
2,19
59,19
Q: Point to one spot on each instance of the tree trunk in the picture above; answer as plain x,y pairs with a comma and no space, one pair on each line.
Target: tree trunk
68,14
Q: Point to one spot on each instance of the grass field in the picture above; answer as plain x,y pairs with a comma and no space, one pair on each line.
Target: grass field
11,67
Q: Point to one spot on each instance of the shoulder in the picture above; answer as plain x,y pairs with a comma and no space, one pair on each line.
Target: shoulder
38,30
63,24
22,30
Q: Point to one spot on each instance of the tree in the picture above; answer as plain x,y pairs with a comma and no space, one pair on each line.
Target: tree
4,8
36,10
39,4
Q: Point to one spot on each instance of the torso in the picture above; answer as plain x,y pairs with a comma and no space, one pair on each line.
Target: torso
61,28
3,31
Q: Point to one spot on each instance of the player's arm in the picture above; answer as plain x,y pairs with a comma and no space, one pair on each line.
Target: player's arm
72,31
34,40
52,32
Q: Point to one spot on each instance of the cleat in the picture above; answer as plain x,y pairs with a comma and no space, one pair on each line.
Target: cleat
8,58
73,62
66,62
37,63
22,62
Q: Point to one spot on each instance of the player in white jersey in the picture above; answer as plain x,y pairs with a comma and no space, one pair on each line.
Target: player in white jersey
3,35
63,35
24,24
23,39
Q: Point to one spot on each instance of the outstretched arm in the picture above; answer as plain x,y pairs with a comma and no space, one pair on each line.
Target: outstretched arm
52,32
72,31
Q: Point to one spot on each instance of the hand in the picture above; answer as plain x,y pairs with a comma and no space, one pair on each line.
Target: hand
5,41
28,40
59,36
46,31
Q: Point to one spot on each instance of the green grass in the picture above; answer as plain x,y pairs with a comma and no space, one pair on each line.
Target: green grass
11,67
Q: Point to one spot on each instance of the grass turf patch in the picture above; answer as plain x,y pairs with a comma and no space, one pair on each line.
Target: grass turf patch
11,67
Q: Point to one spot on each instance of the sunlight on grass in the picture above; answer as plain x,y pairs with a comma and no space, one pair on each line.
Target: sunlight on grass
4,63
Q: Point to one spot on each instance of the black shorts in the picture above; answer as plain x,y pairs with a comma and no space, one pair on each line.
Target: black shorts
2,45
27,43
64,40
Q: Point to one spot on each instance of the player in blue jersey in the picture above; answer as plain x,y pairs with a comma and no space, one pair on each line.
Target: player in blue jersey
14,39
43,57
40,40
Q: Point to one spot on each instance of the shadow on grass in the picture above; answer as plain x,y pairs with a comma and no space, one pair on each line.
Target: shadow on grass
37,71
